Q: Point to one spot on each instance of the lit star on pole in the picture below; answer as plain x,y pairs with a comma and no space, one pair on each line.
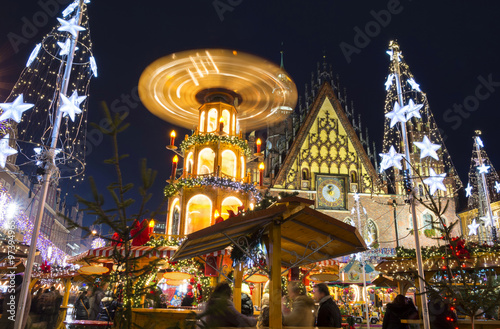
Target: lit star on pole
93,66
356,197
391,159
65,46
397,114
388,82
70,26
33,54
427,148
479,141
435,181
413,110
497,187
413,84
473,227
5,150
488,220
14,110
391,54
70,106
468,190
483,169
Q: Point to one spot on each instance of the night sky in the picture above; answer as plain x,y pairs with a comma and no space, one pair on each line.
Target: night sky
450,47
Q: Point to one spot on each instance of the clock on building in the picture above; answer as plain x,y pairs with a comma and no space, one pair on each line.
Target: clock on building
331,192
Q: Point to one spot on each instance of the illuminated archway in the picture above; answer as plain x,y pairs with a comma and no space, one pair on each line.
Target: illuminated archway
189,163
226,116
198,213
212,120
230,203
175,215
228,165
206,160
202,121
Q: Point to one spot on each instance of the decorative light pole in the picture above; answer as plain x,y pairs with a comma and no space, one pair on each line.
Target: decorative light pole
72,26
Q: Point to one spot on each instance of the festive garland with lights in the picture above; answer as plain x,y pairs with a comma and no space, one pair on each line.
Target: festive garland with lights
214,138
474,249
172,189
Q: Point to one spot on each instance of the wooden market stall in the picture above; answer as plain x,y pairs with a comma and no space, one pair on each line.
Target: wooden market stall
296,235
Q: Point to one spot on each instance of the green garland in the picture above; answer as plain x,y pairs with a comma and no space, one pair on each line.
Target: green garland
172,189
474,249
214,138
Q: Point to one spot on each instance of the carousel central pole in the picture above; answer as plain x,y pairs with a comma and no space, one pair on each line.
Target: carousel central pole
425,311
50,170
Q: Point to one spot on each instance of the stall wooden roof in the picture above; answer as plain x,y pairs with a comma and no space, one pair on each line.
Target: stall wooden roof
307,235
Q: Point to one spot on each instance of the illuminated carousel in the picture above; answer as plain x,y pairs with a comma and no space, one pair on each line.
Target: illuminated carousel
220,94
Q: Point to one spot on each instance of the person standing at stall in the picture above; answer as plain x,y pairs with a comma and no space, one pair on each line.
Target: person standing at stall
82,306
302,313
328,311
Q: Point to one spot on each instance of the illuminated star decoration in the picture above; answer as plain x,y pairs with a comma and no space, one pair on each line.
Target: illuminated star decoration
388,82
414,85
5,150
14,110
93,66
397,114
479,141
468,190
356,197
497,187
391,54
391,159
70,26
435,181
483,169
473,227
65,46
33,54
413,110
427,149
70,106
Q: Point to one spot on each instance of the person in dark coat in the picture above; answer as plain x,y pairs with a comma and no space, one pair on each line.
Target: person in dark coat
95,302
397,310
82,306
108,307
8,315
246,301
220,310
328,311
441,314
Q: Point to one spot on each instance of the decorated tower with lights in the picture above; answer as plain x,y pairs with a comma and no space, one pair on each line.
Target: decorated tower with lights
219,94
428,154
483,193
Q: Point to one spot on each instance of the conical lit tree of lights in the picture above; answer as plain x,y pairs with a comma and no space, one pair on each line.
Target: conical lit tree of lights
482,189
422,132
40,83
56,81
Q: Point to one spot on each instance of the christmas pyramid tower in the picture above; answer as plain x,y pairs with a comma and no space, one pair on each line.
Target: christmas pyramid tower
428,154
37,94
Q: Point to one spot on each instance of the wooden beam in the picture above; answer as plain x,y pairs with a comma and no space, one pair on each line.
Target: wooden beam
305,247
238,278
312,228
64,304
275,320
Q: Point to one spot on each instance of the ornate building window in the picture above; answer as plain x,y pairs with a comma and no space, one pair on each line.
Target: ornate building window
371,233
305,174
230,203
212,120
242,164
199,213
354,177
228,165
428,221
206,160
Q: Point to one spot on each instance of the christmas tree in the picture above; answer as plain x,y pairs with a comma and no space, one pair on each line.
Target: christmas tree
482,189
422,131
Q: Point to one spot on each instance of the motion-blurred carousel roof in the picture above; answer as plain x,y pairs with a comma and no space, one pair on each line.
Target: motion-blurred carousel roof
175,86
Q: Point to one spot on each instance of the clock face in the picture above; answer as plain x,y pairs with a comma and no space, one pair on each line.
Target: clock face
330,192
